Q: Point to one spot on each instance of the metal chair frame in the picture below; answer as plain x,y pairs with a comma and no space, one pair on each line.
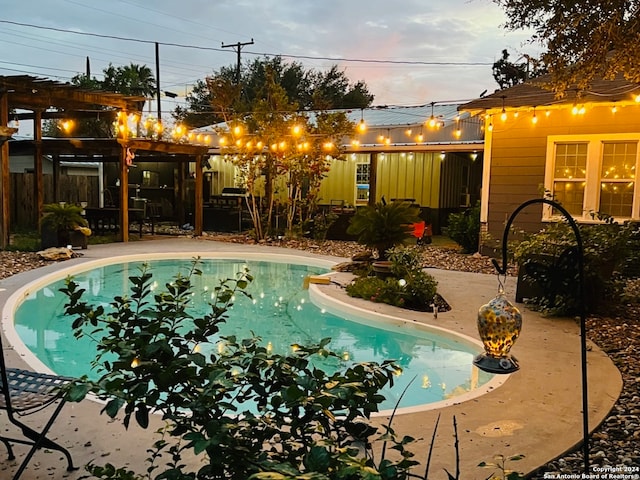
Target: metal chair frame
26,392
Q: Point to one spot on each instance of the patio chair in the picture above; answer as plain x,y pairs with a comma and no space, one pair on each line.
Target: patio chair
25,392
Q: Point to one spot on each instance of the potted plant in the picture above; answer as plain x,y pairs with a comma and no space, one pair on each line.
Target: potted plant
384,225
62,225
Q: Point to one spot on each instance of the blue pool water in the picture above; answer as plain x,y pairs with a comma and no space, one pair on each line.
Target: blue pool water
437,367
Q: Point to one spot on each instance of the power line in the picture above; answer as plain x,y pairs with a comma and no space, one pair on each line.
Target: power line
306,57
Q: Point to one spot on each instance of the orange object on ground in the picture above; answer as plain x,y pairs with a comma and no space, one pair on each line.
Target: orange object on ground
418,229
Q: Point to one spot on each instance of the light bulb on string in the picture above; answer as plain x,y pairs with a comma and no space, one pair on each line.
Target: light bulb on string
432,118
362,126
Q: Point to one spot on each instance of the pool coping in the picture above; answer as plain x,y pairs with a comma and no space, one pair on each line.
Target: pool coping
535,413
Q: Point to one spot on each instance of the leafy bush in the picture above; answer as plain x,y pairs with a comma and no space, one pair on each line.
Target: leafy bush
388,290
304,420
549,258
464,228
24,242
409,287
62,216
384,225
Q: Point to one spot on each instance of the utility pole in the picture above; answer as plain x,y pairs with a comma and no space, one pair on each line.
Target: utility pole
158,81
238,48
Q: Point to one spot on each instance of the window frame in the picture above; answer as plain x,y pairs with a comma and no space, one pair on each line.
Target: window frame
593,179
362,186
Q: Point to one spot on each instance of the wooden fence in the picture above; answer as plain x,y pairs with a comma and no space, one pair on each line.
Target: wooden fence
71,189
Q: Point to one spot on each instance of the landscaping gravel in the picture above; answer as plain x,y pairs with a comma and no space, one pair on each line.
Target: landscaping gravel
616,443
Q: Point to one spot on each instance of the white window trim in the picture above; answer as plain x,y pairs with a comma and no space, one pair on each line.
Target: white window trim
595,145
356,201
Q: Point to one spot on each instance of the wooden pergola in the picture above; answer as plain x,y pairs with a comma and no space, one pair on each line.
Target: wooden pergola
42,99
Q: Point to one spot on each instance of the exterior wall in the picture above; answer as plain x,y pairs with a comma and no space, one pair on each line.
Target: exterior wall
417,177
340,182
221,174
517,151
400,175
436,181
25,164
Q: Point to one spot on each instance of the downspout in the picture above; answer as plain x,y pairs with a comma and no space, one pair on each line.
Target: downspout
101,184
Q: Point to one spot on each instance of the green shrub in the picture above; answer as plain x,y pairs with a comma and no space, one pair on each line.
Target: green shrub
388,290
62,216
24,242
464,228
549,259
409,287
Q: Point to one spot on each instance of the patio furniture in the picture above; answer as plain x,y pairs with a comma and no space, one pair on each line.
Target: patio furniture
105,220
25,392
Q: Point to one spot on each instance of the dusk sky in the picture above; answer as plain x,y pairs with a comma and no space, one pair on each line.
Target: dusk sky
408,53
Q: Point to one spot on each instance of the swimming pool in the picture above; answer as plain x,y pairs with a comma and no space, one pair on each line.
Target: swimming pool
438,366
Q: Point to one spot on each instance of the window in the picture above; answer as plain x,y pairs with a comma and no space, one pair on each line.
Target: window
589,174
618,178
570,175
362,182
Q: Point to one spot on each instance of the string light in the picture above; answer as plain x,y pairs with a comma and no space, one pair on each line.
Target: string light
503,115
362,127
432,118
534,118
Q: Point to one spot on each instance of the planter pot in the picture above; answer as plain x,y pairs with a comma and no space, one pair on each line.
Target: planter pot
382,269
77,240
51,238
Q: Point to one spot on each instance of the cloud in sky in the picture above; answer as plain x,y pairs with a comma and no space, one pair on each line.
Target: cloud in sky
431,33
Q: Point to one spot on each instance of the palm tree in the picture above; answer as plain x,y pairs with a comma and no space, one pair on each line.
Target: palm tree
130,79
384,225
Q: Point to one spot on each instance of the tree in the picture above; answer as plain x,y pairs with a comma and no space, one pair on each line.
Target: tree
199,112
584,39
309,89
131,79
281,150
508,74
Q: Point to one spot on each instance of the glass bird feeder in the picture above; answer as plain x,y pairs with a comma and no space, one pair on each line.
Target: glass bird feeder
499,325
